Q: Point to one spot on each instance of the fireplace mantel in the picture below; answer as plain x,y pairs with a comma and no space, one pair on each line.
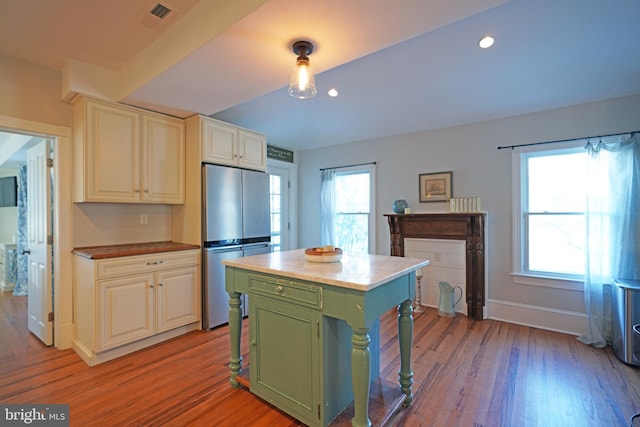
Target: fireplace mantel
467,226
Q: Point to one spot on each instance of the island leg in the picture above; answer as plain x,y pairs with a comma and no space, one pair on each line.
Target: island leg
360,376
405,336
235,332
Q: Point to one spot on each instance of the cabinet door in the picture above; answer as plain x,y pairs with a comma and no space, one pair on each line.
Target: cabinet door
125,310
112,154
177,298
220,143
285,356
163,157
252,151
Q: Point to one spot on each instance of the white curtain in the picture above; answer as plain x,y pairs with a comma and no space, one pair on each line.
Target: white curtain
613,228
328,206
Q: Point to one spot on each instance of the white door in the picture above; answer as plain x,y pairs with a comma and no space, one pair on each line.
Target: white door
40,300
279,202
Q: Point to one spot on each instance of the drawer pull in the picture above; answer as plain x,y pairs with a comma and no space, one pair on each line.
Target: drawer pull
155,262
279,289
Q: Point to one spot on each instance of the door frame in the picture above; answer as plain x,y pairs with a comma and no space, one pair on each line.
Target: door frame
293,200
63,224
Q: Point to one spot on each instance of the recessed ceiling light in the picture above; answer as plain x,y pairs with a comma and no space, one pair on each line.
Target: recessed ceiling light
333,93
486,41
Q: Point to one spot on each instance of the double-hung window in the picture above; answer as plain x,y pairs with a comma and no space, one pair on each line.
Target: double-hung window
549,230
348,219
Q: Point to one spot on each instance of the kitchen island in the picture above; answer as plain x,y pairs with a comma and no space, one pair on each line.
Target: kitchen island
309,326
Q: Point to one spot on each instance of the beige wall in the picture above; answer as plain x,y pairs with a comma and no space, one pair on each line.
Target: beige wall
32,92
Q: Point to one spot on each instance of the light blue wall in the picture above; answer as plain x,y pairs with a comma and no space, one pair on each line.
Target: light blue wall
479,170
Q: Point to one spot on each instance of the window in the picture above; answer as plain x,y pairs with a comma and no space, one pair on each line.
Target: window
550,229
348,216
275,198
353,211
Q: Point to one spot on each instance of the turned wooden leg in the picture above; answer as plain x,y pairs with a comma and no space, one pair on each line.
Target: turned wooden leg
405,336
360,376
235,331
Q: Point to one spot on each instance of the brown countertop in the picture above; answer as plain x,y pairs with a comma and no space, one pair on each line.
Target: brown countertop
114,251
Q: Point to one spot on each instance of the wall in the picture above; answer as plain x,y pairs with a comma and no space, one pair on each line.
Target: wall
32,92
8,215
479,169
98,224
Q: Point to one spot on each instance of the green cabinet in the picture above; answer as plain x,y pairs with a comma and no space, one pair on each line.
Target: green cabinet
285,355
300,358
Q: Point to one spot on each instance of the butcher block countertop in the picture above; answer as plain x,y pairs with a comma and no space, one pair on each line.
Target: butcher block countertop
130,249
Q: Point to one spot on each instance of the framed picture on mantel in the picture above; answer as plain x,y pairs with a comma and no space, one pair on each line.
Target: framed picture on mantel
435,187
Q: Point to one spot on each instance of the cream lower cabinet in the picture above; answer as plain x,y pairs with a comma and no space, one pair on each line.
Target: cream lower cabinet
127,303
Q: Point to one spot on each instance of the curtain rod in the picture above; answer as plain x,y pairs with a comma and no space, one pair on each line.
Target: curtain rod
567,140
349,166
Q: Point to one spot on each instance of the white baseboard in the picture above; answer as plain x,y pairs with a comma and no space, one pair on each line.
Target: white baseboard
568,322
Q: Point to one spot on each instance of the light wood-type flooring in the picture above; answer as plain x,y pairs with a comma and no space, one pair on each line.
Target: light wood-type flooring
466,373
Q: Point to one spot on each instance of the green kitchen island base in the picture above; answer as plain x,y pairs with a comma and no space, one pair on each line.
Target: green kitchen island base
311,328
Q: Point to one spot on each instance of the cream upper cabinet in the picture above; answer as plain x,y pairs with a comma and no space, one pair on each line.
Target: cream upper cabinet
126,155
226,144
163,150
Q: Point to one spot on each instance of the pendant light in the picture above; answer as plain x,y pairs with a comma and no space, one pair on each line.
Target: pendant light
303,83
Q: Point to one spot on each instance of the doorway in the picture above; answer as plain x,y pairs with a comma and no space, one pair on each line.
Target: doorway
62,244
282,179
28,158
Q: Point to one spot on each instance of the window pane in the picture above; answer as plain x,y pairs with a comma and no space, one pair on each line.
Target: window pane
556,243
352,192
352,232
557,183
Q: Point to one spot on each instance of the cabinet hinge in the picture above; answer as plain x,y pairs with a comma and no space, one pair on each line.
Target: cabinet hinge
289,184
318,411
50,316
49,240
49,163
318,328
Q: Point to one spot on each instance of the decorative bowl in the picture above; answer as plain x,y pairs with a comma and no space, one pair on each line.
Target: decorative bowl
318,255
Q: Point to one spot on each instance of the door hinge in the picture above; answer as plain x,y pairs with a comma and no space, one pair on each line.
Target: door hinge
288,184
49,163
50,317
50,240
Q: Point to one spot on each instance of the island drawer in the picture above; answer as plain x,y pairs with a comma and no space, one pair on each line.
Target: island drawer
287,290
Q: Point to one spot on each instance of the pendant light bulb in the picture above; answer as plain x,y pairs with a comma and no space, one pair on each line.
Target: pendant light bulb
302,83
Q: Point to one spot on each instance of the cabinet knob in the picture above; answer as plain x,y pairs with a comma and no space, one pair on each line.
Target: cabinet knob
160,284
151,286
279,289
253,343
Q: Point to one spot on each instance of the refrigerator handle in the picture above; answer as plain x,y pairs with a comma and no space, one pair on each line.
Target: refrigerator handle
223,249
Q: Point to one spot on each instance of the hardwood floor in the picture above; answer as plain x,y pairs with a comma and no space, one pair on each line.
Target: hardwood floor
466,373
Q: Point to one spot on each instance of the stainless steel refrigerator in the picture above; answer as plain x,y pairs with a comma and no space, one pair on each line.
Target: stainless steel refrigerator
236,223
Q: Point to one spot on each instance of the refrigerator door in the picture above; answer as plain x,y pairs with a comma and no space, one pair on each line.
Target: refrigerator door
215,298
255,189
222,203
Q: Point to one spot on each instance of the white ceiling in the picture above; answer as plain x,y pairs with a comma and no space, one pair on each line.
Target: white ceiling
400,67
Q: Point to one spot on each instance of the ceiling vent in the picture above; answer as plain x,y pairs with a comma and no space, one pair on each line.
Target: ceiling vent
155,14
